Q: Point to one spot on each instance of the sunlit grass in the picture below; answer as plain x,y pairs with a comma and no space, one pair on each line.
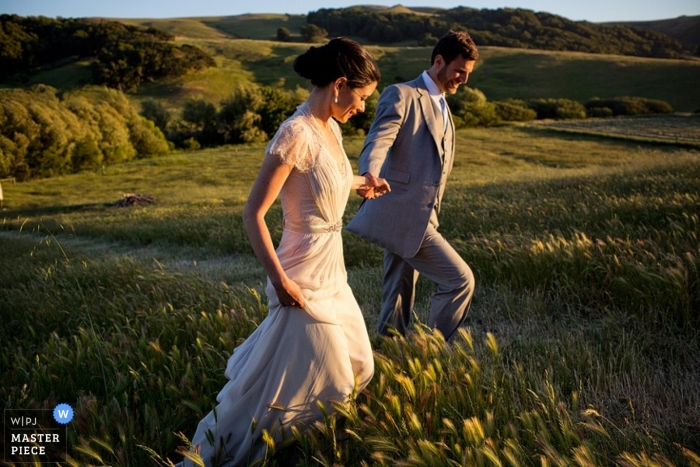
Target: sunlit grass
581,347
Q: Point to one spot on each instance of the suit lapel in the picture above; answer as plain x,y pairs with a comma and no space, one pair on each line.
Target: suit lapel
449,141
430,113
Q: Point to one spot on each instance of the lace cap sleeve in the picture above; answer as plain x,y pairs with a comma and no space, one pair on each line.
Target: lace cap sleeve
293,144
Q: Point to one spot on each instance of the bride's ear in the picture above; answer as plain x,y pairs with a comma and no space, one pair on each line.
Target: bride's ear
337,86
339,83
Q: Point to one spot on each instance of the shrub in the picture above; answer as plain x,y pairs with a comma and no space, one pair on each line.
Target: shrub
470,108
239,117
191,144
147,138
558,109
44,135
283,35
201,117
599,112
630,105
157,113
313,33
514,110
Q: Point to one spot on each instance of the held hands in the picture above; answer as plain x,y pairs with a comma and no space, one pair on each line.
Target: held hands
374,187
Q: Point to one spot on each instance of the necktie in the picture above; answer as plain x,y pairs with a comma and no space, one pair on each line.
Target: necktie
443,107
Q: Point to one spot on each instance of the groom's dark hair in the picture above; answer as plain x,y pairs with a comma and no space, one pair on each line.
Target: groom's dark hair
455,44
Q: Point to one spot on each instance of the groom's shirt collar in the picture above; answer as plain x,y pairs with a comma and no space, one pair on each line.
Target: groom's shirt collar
433,88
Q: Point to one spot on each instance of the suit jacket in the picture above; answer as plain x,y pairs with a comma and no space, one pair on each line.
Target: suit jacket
408,146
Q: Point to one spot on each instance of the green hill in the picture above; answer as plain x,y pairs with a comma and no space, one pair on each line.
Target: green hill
249,26
245,51
685,29
501,72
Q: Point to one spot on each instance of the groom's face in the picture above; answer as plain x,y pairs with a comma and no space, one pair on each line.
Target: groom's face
451,76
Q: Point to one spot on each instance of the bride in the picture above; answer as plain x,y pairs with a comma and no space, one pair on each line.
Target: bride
313,346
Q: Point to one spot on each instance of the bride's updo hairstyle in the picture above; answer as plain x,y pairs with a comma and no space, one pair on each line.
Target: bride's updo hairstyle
340,57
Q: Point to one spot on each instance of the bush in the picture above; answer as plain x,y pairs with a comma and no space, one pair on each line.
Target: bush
250,114
147,138
313,33
44,135
200,119
629,105
157,113
599,112
239,117
470,108
283,35
514,110
558,109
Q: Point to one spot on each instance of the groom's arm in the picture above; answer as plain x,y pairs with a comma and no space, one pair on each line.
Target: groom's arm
388,120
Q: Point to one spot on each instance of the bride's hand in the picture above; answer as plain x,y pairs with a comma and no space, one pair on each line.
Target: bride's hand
374,188
289,294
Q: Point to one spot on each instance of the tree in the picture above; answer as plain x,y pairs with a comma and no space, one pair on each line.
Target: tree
203,118
43,135
239,118
283,35
156,112
313,33
277,106
505,27
427,40
147,138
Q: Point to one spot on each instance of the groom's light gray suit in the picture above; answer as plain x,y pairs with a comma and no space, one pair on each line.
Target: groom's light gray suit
409,145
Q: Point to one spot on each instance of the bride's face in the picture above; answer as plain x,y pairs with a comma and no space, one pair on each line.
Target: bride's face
351,101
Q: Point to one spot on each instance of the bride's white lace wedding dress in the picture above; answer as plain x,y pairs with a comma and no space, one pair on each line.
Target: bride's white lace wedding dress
296,357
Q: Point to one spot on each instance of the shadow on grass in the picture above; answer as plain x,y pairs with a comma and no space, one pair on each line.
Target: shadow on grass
35,211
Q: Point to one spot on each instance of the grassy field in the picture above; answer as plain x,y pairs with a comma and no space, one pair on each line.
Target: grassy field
581,348
251,26
679,129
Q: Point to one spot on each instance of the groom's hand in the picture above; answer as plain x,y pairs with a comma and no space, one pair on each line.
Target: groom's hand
374,188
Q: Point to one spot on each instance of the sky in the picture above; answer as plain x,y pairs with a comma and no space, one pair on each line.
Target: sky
596,11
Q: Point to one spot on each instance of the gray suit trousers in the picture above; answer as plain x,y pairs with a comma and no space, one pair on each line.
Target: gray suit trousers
438,262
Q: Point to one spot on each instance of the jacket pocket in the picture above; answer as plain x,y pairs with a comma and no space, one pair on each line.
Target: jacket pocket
397,176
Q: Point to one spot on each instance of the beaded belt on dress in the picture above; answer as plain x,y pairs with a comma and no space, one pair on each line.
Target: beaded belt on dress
314,228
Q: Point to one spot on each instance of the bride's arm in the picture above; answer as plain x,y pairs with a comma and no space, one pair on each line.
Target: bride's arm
267,186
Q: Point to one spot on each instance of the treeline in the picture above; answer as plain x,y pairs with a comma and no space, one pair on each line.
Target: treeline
123,56
470,108
505,27
251,114
42,135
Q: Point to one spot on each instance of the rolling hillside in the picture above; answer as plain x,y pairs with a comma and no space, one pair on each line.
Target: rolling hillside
686,29
500,75
253,26
501,72
245,51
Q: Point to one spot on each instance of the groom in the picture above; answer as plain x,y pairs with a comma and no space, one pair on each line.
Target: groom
411,144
